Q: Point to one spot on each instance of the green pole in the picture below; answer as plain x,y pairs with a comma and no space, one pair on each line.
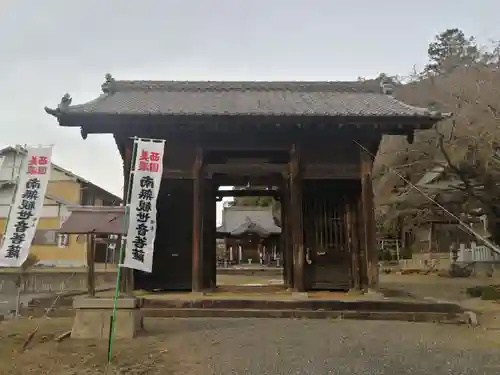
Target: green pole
122,250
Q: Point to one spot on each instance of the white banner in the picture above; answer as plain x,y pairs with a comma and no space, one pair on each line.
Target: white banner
2,159
27,208
141,231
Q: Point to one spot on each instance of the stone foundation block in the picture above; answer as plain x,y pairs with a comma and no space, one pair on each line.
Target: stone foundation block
93,318
299,295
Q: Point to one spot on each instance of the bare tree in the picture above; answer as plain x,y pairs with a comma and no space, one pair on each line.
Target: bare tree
465,80
470,142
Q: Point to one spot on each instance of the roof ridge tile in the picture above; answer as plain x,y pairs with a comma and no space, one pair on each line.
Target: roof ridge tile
246,98
255,86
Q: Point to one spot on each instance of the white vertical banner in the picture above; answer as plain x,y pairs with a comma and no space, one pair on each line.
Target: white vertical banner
141,231
27,207
2,159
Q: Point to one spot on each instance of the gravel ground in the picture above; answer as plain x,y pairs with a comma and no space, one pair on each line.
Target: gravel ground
340,347
257,347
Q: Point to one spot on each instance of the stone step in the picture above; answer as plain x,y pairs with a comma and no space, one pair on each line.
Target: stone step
250,271
434,317
304,304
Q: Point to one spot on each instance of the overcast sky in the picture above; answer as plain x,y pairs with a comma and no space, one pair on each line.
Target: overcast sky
50,47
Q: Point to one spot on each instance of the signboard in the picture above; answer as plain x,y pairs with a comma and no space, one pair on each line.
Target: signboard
27,207
141,231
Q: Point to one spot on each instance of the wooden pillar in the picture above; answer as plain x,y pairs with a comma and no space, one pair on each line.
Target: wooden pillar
90,265
296,221
371,255
353,242
209,218
360,225
285,240
282,237
197,274
213,237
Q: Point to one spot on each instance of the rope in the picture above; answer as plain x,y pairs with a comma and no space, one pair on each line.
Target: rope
47,311
463,226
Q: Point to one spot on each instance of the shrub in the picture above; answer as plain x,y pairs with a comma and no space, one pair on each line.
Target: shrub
487,293
491,293
475,291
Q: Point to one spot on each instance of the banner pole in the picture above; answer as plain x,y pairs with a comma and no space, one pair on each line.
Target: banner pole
122,249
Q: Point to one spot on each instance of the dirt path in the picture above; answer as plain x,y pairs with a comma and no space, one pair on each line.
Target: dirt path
75,357
255,347
261,346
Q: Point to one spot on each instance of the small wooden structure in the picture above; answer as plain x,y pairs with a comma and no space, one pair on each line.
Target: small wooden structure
98,223
419,218
314,141
251,235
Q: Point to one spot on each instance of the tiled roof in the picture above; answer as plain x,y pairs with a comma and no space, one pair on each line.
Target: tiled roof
18,149
364,98
238,220
94,219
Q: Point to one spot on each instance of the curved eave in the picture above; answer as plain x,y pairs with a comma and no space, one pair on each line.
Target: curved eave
63,118
82,119
52,112
68,119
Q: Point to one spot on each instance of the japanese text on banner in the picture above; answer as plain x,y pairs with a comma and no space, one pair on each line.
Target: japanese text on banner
27,207
141,231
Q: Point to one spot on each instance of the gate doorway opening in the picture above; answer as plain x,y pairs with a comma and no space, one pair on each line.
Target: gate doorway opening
248,251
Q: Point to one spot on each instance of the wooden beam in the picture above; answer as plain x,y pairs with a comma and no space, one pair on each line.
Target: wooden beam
157,125
231,180
370,249
175,174
197,275
296,220
247,193
332,171
237,169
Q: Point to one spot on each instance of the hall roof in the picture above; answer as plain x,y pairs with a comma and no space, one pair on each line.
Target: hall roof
238,220
370,98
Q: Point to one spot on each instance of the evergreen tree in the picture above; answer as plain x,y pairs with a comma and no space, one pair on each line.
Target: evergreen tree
451,49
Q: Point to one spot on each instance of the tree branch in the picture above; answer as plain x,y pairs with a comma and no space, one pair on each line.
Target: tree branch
457,171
